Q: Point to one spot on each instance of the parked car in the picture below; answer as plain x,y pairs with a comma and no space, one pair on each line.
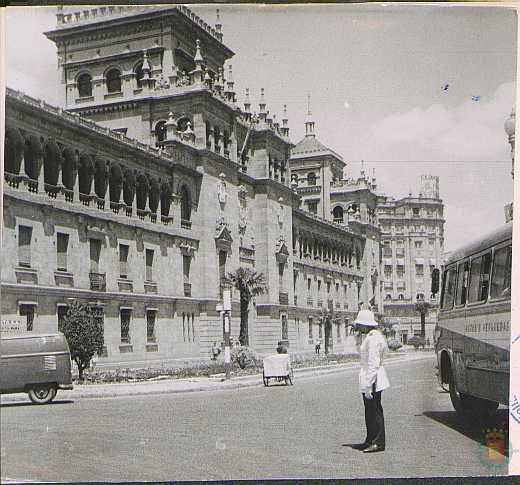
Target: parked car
417,341
38,364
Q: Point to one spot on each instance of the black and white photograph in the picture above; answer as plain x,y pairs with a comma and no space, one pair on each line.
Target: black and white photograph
247,242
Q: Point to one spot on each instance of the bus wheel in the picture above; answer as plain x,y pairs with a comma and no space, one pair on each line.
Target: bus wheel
42,394
461,402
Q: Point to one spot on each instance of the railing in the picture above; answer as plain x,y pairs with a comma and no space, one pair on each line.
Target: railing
187,289
98,281
185,224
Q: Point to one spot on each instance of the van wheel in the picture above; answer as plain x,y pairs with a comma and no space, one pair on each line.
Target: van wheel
42,394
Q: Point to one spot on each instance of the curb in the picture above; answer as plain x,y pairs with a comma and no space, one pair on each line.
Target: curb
179,385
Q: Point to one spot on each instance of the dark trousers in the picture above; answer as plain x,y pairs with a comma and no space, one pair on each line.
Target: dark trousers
374,420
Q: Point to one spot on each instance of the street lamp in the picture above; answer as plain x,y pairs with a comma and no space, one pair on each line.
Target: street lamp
509,127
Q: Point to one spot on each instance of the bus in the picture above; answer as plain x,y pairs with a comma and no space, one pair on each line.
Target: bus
472,336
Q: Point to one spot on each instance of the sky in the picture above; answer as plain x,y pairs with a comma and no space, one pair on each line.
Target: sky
375,75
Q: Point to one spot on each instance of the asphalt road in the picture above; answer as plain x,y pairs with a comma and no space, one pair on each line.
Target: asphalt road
257,432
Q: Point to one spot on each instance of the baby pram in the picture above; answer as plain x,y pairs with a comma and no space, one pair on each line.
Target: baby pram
278,367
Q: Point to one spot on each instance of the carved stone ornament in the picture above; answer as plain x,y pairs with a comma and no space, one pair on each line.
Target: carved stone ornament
242,192
187,249
280,212
242,220
222,190
223,239
220,224
282,252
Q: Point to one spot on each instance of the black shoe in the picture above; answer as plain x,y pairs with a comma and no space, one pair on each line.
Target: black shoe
360,446
374,448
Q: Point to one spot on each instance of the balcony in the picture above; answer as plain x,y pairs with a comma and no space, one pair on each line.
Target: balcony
187,289
283,298
98,281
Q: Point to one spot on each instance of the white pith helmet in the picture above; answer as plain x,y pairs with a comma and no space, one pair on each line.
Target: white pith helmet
366,318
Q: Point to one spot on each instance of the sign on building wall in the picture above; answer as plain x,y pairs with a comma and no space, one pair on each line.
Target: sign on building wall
10,327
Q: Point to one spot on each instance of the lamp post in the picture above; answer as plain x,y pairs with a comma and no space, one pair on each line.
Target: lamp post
224,309
509,127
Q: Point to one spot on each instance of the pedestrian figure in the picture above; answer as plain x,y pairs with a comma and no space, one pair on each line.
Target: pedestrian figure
372,381
317,345
215,351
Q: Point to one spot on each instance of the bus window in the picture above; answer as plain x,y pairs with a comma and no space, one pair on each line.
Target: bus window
462,283
501,280
479,278
448,289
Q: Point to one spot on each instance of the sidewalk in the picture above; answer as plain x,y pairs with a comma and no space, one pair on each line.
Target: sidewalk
196,384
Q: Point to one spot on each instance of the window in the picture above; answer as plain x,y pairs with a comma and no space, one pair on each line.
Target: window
418,244
62,244
479,278
419,270
27,311
448,288
125,314
185,204
160,132
400,297
61,311
285,328
312,207
310,329
388,297
139,74
388,270
85,85
462,283
149,265
113,80
416,212
150,325
337,214
431,243
186,261
400,271
24,246
319,286
311,178
501,281
387,249
328,286
95,251
420,297
309,282
123,260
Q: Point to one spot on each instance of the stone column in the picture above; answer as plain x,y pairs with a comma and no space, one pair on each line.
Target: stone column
41,177
107,188
75,194
60,194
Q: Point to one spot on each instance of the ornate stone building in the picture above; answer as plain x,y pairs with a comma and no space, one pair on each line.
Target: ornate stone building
412,239
152,183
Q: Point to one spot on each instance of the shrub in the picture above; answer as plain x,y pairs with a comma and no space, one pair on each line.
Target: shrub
245,357
394,344
14,145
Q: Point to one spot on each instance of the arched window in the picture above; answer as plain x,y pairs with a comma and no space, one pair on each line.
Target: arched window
185,203
388,297
182,124
113,80
85,85
400,297
160,132
139,74
420,296
311,178
337,214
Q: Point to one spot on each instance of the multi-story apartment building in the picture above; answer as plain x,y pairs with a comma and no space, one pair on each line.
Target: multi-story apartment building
412,240
151,183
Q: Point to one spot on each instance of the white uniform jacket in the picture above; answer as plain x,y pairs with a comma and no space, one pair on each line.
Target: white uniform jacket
372,351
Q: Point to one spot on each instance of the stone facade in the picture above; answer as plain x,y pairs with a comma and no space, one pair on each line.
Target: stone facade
153,183
412,246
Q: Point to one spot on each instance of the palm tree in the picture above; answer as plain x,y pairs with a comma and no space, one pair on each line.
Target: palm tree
422,307
250,284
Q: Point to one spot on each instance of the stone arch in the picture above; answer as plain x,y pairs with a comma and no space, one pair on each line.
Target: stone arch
100,177
337,214
159,131
128,186
153,194
115,182
84,83
13,150
166,194
33,156
68,167
112,77
182,122
142,189
85,173
186,202
51,162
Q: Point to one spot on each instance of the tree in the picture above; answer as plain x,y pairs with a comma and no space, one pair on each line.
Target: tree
250,284
422,307
84,334
14,146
